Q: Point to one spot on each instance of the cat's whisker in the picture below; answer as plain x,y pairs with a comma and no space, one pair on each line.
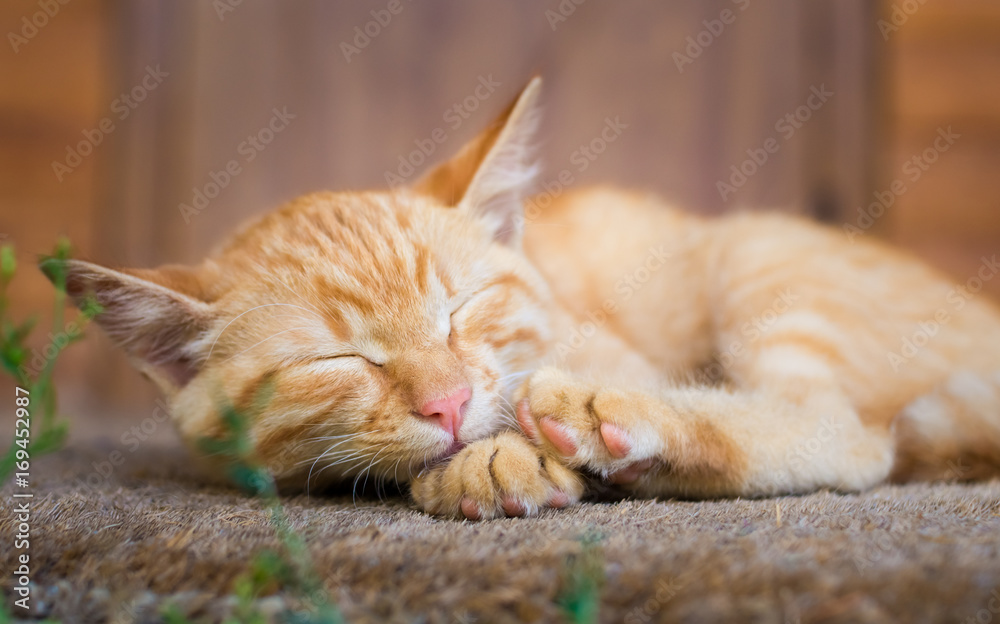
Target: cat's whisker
284,331
395,475
263,270
507,409
517,374
333,463
334,455
239,316
424,464
360,461
511,410
366,473
395,478
345,435
330,453
298,316
332,446
506,414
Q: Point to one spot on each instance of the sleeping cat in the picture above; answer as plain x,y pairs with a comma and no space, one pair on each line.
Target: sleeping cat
499,360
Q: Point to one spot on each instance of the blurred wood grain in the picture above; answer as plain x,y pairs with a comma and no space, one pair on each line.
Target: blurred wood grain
946,74
696,83
689,122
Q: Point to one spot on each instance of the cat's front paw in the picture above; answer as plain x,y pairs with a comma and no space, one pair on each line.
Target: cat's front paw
602,430
501,476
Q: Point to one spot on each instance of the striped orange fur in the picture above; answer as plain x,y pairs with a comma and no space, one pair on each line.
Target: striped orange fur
437,337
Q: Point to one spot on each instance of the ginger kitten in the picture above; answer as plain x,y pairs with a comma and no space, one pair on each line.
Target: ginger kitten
435,336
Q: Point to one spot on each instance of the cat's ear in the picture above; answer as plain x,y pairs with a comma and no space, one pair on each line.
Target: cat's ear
157,316
493,173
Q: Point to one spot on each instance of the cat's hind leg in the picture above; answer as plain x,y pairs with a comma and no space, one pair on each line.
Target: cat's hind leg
953,433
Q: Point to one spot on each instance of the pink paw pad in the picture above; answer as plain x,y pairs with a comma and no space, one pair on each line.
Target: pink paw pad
470,509
512,506
527,423
616,440
631,473
558,435
558,500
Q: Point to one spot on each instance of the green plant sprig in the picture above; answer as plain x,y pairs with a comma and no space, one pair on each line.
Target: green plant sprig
292,569
51,433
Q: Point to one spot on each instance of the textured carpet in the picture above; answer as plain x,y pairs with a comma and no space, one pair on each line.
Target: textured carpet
155,531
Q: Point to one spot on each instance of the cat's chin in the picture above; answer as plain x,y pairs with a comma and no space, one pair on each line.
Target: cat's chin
450,452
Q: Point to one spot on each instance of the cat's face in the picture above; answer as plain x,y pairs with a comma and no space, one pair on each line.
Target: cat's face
383,330
364,333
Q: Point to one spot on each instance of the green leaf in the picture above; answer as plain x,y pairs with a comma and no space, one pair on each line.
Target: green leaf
172,614
21,332
90,308
50,439
581,581
8,263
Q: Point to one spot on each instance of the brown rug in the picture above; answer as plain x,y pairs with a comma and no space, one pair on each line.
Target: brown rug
119,548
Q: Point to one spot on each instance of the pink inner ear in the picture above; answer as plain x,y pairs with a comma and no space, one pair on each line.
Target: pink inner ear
180,372
150,313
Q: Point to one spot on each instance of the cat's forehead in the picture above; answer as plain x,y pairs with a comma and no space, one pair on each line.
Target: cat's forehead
358,232
369,261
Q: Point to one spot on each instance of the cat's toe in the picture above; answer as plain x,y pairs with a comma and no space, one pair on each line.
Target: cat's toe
502,476
471,509
616,440
580,424
560,436
631,473
513,507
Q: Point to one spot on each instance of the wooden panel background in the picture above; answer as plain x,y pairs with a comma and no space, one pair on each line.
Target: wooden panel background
355,119
946,73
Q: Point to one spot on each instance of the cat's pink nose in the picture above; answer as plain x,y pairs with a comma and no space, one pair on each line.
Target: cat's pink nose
449,411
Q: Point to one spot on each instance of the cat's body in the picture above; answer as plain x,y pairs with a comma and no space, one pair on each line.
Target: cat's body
816,336
433,336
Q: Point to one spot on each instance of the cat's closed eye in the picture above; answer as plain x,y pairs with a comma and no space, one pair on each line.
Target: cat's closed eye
350,355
